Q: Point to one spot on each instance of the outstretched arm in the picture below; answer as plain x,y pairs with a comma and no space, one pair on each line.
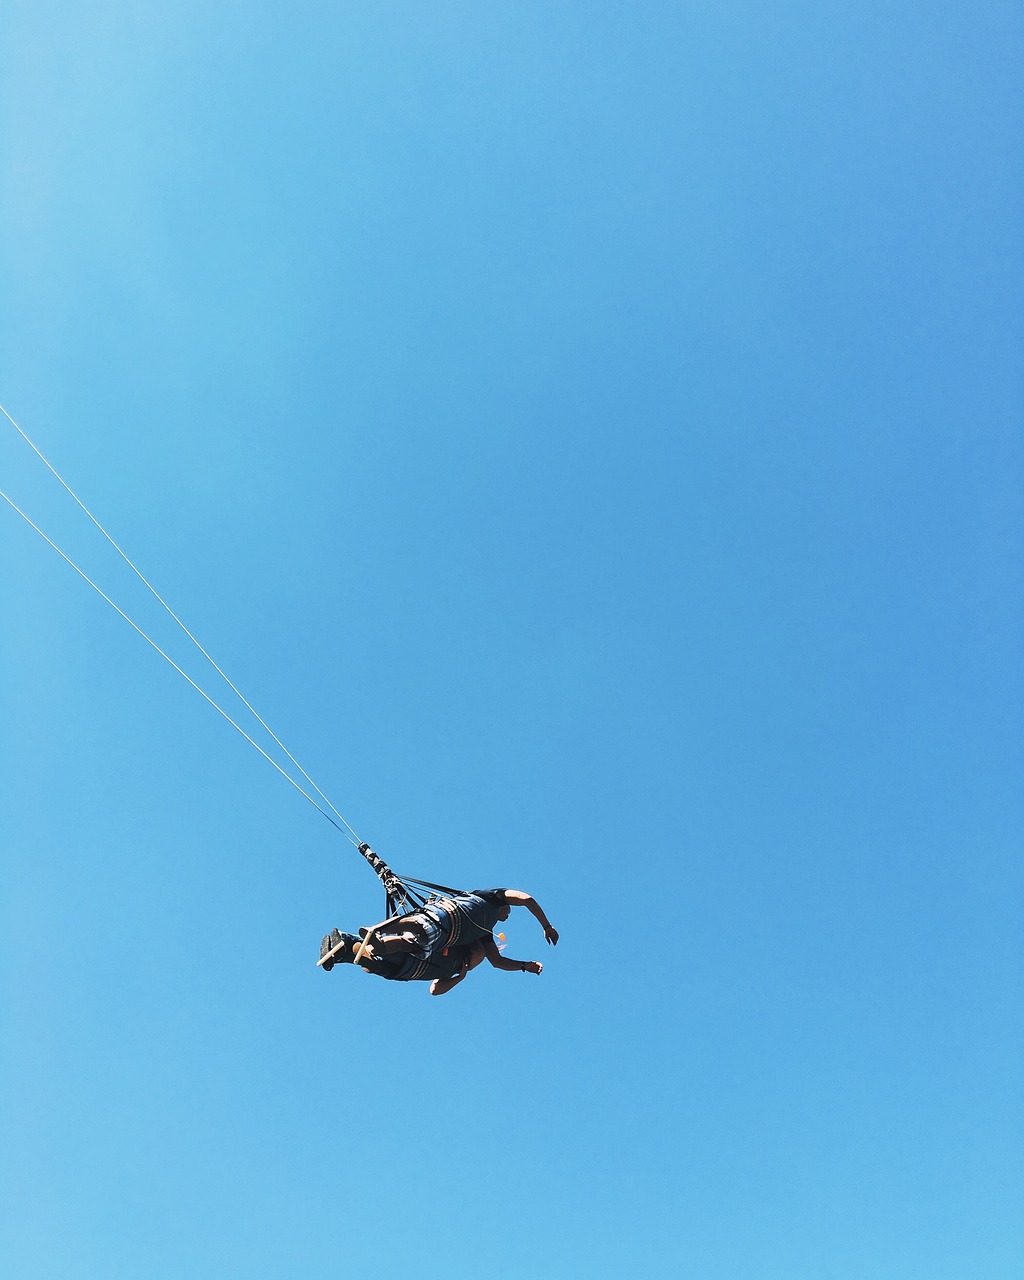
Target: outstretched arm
510,966
516,898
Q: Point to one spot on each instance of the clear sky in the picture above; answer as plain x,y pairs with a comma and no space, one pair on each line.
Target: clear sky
591,436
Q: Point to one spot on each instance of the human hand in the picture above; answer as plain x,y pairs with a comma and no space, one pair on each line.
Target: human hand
534,966
551,935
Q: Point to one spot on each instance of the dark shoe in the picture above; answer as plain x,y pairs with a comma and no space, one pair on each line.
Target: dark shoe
326,944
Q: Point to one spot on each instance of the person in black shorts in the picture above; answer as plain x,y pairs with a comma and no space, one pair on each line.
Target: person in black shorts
441,942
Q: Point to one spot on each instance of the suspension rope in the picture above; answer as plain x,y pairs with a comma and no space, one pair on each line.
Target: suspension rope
153,591
354,839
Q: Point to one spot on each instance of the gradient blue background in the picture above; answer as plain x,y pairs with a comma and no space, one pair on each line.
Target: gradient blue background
591,436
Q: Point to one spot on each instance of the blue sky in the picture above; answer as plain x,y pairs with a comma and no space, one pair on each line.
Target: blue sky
591,438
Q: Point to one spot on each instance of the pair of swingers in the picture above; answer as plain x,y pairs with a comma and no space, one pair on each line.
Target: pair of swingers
440,942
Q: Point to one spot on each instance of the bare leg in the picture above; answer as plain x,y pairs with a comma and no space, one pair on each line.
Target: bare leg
395,944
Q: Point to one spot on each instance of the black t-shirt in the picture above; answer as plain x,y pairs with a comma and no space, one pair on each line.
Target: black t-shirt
406,968
476,914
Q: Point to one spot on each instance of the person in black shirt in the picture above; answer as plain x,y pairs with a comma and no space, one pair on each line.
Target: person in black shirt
449,936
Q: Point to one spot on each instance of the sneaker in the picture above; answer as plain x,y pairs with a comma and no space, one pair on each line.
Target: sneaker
326,945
